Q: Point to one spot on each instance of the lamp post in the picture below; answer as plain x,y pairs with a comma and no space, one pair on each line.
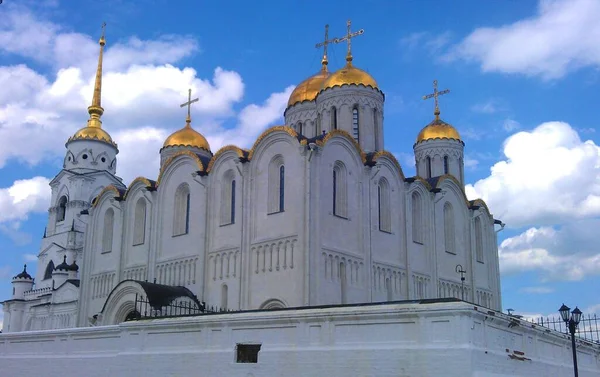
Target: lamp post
459,270
572,321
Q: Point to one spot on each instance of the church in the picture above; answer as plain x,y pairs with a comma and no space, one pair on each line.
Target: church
309,254
316,212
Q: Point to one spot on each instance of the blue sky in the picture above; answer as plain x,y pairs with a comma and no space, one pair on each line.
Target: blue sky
523,77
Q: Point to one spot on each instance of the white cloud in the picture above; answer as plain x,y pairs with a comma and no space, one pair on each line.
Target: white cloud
432,43
548,176
510,125
470,163
30,258
23,197
536,290
562,37
568,252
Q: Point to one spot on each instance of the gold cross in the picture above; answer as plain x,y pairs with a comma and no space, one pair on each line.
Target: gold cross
189,104
435,96
348,37
103,29
324,45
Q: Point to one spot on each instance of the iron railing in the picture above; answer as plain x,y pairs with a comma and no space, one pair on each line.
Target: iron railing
588,329
177,308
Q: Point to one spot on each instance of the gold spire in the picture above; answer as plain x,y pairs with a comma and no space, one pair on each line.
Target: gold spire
96,110
324,44
435,96
93,130
348,37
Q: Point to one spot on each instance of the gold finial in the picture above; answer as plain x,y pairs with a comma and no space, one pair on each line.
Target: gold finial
348,37
188,119
96,110
324,44
435,96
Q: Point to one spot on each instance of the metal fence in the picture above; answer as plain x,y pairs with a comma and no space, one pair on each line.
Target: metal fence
177,308
588,329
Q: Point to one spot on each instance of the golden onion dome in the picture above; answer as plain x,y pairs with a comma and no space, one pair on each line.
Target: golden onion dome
92,133
438,129
350,75
308,89
187,137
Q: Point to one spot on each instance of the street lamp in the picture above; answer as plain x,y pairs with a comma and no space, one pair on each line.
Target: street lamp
572,323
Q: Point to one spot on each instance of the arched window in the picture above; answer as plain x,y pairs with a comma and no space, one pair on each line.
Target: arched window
49,270
428,167
343,282
478,240
139,224
446,165
224,293
228,198
333,118
276,185
375,129
181,210
61,208
383,204
107,230
355,132
340,205
417,218
300,128
449,236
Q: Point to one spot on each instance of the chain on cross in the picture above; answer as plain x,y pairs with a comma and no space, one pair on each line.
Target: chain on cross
435,96
324,44
189,104
348,37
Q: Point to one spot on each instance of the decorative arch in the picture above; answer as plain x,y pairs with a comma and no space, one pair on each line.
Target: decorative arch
149,184
392,158
241,153
117,194
289,130
323,142
273,304
170,160
121,302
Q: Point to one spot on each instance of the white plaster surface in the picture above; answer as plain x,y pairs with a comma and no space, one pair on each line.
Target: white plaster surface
397,339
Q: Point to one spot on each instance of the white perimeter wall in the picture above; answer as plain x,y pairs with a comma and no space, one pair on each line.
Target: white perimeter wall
436,339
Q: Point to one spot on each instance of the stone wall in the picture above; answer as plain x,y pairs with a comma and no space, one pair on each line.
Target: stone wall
427,338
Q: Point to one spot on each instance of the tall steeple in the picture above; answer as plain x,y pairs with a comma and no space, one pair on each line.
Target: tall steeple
93,130
96,110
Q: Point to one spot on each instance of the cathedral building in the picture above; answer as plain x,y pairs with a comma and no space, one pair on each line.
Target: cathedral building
316,212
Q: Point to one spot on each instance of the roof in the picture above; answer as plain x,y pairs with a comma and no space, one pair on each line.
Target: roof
160,295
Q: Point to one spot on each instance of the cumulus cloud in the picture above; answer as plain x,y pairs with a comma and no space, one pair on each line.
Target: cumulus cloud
562,37
549,176
141,93
568,252
23,197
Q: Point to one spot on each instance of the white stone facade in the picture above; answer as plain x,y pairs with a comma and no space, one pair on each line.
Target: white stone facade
321,217
412,339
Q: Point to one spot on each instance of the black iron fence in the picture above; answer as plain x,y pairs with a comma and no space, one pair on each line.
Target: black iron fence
588,329
144,309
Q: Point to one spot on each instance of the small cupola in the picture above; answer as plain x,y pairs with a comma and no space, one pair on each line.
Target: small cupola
21,283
